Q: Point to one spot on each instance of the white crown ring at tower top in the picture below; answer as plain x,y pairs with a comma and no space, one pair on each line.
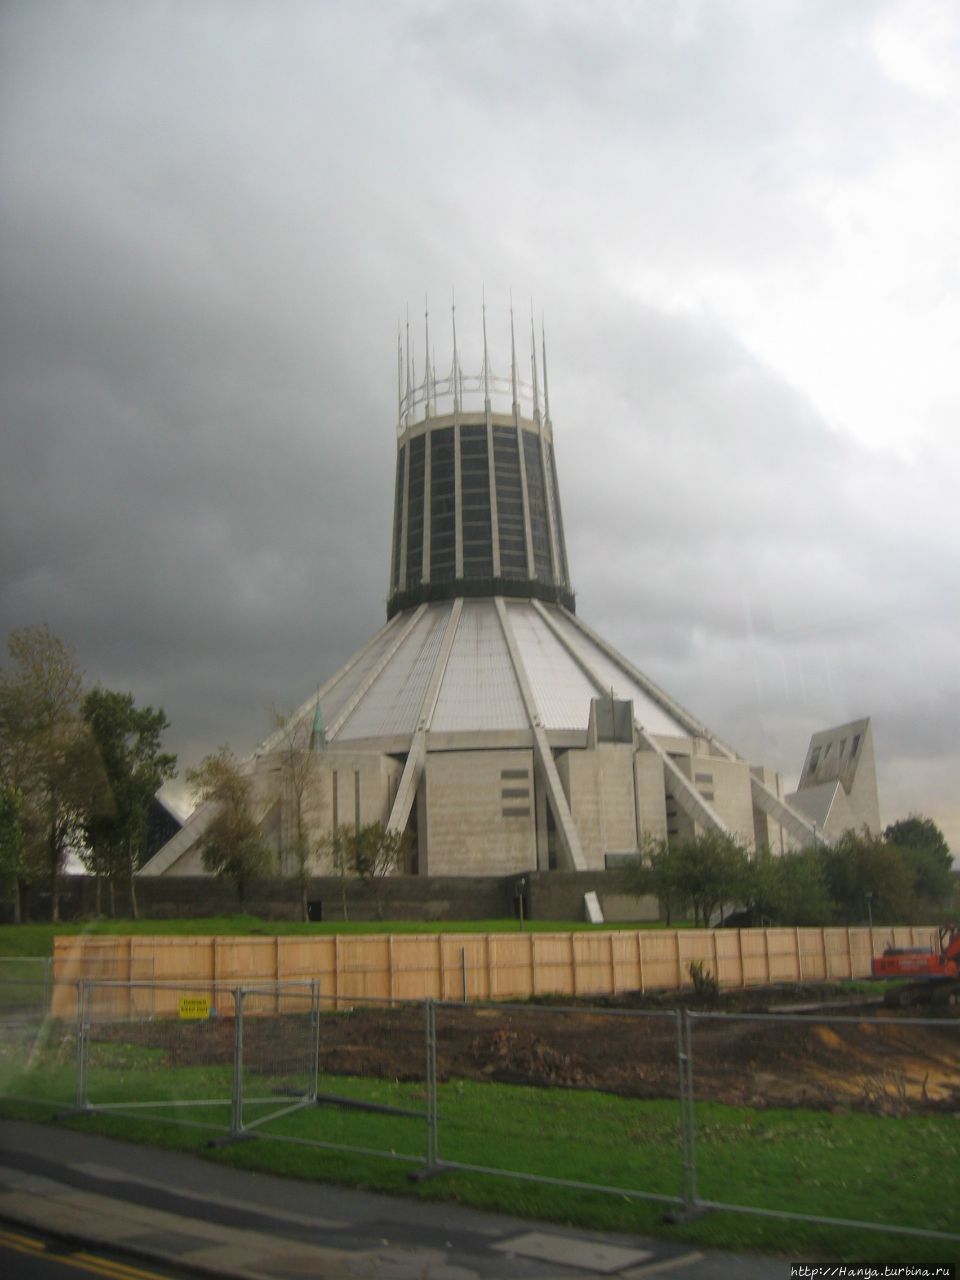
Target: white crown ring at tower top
477,502
455,388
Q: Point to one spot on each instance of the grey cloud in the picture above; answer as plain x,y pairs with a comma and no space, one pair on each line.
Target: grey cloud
210,221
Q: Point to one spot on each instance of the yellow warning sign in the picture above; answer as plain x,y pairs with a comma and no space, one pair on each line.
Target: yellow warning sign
194,1007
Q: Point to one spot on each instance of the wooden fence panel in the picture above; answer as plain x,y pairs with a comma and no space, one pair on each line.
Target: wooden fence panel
514,979
728,957
307,959
624,961
416,971
813,960
836,949
553,965
352,968
466,969
861,953
77,959
591,958
694,947
175,957
248,959
755,956
364,968
661,965
782,957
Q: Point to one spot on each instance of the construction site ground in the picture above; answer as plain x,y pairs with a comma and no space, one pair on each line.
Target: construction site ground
821,1049
809,1057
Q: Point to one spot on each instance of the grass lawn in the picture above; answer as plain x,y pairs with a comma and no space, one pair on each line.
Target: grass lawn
848,1165
877,1168
37,939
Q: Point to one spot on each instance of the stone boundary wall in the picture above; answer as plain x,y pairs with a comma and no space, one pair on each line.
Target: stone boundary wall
352,969
548,895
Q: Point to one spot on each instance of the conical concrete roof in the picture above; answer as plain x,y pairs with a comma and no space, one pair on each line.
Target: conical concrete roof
379,697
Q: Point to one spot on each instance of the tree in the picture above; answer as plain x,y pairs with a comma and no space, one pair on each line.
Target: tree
860,864
917,832
656,872
232,846
298,776
924,850
711,870
788,888
13,845
336,848
762,889
46,749
128,740
369,854
377,852
801,895
702,873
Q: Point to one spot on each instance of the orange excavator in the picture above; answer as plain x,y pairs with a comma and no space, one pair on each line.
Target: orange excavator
932,976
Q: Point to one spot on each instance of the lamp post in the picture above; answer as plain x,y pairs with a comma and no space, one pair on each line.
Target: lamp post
521,889
870,906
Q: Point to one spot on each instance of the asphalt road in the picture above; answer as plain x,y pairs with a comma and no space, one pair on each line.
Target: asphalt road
30,1255
159,1210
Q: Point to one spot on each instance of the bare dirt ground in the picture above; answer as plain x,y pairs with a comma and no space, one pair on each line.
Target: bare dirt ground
844,1055
628,1046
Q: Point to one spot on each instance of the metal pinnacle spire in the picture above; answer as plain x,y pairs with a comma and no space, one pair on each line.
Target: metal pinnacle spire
409,370
533,365
426,355
399,375
456,362
513,358
546,386
486,357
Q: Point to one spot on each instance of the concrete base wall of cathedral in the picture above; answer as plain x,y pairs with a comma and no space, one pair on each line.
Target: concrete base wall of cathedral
480,813
487,812
547,896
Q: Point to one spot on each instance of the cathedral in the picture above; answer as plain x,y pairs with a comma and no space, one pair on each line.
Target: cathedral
486,719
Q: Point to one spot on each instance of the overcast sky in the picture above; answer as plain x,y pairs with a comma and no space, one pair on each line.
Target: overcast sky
739,218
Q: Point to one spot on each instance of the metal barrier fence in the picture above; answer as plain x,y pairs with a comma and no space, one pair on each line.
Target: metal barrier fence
692,1110
214,1055
376,1088
627,1059
25,989
25,1023
903,1068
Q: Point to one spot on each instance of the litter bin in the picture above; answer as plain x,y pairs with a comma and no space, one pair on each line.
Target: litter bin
315,910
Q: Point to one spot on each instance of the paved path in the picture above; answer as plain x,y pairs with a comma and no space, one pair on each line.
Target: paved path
167,1207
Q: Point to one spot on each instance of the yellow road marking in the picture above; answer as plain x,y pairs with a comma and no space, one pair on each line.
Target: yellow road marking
665,1265
106,1267
23,1244
79,1261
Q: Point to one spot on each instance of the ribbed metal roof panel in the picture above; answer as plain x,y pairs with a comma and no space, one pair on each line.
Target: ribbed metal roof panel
479,691
560,689
336,698
392,704
653,717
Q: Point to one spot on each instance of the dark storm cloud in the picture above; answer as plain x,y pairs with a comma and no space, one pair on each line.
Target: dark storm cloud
759,563
212,216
